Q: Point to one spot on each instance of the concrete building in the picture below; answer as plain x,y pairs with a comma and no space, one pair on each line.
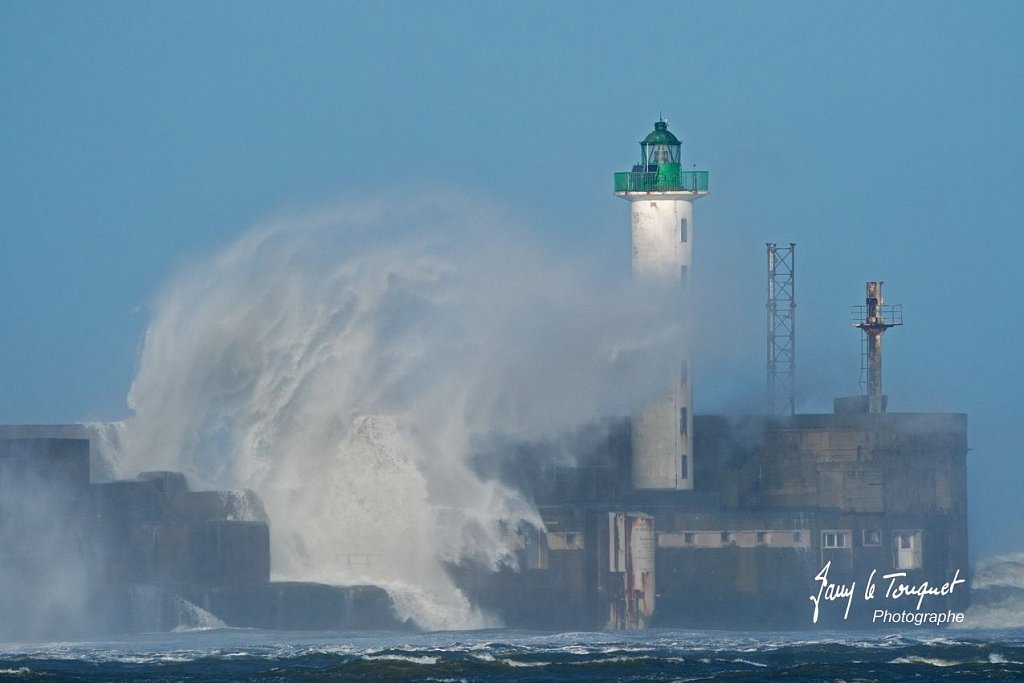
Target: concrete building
775,499
140,555
739,514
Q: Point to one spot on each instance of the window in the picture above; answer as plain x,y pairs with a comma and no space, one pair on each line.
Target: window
762,537
682,230
833,539
684,467
688,539
872,537
798,537
907,546
682,276
684,421
726,538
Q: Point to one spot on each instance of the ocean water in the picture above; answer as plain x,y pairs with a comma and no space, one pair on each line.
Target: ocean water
508,655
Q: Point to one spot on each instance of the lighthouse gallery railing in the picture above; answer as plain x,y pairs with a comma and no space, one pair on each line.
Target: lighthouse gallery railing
651,181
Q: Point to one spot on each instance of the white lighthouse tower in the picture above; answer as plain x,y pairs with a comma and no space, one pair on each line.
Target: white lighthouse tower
661,197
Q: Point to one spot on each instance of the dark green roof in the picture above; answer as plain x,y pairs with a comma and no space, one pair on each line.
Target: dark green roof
660,136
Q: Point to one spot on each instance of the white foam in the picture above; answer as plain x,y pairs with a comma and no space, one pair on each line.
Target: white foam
999,571
194,618
932,661
517,664
1008,614
413,659
342,365
106,446
747,661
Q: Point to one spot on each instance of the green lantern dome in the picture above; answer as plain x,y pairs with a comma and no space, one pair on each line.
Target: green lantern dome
660,135
660,146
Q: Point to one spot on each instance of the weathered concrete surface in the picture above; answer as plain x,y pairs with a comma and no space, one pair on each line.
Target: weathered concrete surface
299,605
775,499
147,554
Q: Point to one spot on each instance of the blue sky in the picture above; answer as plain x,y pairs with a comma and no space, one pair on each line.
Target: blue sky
885,139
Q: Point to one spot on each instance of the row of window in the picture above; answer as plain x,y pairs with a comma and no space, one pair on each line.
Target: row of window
743,539
869,537
906,544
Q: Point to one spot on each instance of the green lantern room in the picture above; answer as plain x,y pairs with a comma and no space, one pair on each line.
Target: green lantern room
660,167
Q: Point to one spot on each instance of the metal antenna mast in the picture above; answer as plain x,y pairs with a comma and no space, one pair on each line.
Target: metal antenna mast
781,367
874,318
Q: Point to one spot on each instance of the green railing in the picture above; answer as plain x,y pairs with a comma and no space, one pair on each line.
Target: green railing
661,181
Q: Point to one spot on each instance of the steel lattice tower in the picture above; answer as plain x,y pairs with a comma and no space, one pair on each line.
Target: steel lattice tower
781,367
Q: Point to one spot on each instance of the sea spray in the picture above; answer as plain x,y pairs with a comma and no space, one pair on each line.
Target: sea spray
45,576
191,617
106,444
997,593
343,364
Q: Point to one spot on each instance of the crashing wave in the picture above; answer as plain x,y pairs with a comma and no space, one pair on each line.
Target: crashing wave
343,365
997,593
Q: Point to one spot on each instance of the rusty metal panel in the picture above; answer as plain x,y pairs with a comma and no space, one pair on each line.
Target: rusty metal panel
640,573
631,542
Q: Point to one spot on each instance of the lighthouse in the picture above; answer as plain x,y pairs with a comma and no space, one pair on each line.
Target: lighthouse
661,196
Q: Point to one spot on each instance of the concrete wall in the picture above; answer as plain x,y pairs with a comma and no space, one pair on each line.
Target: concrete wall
742,550
85,559
47,557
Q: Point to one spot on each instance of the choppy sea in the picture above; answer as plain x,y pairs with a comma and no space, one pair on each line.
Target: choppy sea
507,655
